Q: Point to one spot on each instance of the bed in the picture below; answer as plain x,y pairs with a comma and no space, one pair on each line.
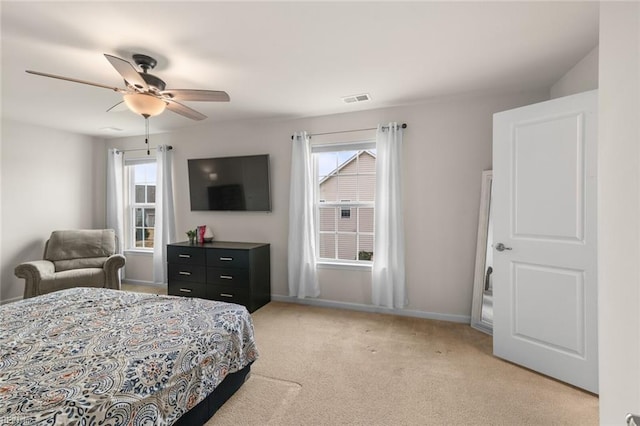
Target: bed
110,357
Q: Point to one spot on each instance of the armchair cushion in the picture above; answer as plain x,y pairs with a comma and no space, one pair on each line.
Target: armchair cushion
80,263
86,277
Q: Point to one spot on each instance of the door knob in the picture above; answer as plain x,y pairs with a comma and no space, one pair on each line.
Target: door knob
502,247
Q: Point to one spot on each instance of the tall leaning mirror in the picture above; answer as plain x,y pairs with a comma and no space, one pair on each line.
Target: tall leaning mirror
482,305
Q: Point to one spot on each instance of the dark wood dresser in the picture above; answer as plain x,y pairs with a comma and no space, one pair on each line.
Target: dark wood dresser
227,271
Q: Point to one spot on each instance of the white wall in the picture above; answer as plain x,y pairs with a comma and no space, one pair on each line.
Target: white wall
581,78
50,180
619,211
447,146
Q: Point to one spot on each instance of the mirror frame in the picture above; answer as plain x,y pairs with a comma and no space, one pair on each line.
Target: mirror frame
481,255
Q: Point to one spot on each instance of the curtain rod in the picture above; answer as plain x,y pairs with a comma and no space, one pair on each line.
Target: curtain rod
403,125
142,149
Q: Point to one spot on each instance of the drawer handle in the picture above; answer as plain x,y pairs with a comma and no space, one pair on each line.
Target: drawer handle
226,277
226,259
185,290
226,295
184,273
188,256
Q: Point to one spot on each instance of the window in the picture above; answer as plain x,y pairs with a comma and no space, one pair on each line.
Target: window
141,211
346,181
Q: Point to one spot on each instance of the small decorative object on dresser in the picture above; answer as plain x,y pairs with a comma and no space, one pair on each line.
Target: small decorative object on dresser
204,234
191,234
227,271
208,235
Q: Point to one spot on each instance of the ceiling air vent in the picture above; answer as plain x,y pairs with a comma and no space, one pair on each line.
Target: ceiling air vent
356,98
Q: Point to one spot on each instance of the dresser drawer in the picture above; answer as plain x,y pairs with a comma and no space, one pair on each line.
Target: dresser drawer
228,276
186,255
189,289
187,272
222,258
229,294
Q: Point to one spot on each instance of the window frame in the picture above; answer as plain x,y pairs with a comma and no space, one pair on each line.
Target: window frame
365,145
132,205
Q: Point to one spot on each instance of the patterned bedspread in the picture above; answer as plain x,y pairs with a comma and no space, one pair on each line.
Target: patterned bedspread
107,357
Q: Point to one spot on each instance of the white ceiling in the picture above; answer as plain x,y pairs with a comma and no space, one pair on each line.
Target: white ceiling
280,59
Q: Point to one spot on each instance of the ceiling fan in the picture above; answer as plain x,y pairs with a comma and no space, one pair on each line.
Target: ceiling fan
145,93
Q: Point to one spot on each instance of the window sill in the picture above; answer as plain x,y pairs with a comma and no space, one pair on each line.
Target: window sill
344,265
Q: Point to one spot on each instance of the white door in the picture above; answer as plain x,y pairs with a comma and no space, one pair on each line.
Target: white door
544,207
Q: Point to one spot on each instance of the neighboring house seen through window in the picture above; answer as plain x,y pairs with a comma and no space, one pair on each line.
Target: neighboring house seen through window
345,208
141,198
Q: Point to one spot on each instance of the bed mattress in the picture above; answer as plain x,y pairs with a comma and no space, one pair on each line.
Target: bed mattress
100,356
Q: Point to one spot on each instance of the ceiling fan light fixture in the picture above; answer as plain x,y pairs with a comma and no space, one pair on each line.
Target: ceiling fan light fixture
145,105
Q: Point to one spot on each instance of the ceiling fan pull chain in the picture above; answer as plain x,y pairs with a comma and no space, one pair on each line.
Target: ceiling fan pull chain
146,132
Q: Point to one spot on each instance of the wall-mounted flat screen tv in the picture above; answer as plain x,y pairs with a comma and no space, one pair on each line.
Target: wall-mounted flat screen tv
230,183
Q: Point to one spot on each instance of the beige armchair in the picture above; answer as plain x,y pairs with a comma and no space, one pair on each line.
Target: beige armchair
78,258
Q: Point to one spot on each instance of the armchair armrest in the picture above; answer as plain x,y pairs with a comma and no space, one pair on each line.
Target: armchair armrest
33,272
111,268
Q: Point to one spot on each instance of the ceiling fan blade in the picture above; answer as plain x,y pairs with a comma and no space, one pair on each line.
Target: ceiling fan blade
119,107
184,110
75,80
197,95
128,72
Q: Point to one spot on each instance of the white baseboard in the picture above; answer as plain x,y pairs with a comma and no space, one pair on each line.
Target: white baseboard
463,319
13,299
141,282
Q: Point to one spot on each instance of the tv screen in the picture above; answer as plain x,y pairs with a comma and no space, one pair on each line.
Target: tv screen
230,183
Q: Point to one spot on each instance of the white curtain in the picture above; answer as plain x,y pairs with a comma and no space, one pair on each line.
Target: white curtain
115,195
165,223
303,277
388,275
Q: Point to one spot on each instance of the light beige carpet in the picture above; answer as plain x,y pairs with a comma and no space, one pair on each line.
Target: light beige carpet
270,399
322,366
